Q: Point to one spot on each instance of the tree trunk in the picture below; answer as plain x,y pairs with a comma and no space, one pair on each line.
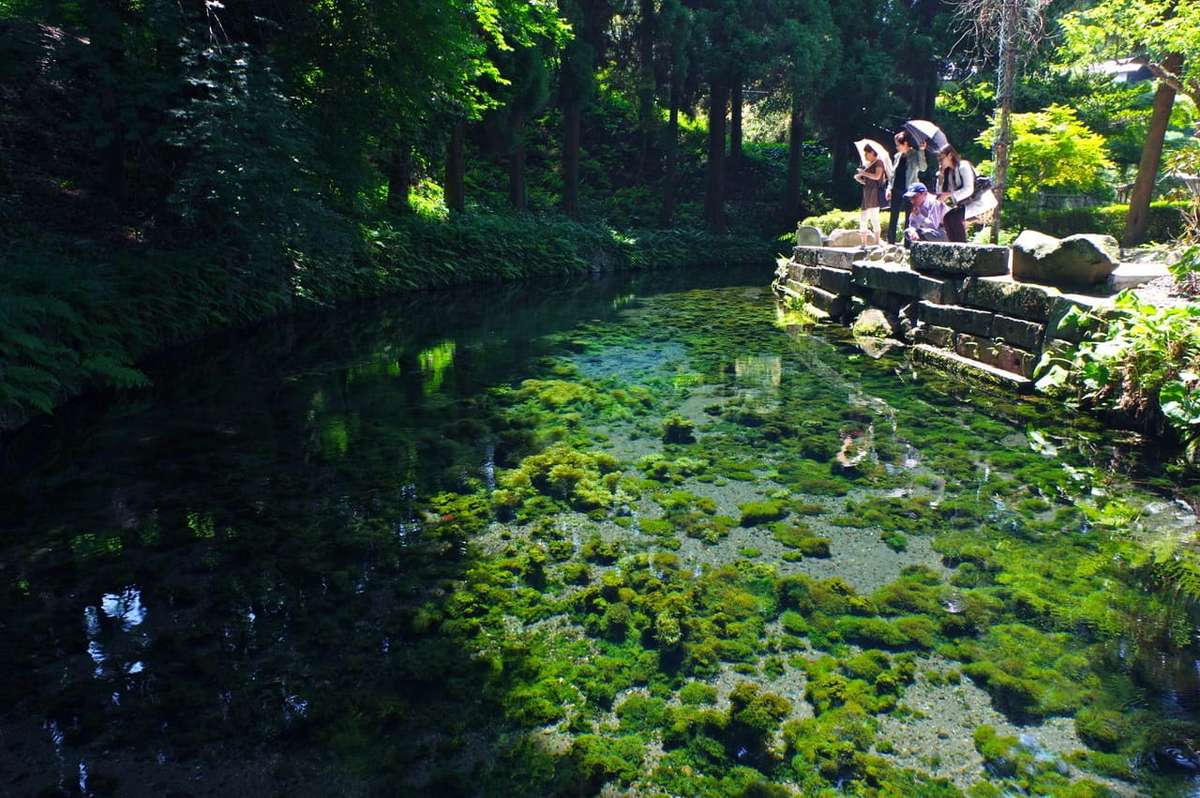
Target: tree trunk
456,169
1008,68
839,148
791,189
735,126
668,205
1147,174
399,177
714,197
517,196
572,121
645,81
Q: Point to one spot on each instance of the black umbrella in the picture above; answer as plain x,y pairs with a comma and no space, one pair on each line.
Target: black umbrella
922,131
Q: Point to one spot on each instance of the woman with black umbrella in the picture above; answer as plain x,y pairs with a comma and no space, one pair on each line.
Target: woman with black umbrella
909,164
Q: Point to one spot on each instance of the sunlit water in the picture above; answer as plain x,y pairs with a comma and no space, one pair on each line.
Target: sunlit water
305,564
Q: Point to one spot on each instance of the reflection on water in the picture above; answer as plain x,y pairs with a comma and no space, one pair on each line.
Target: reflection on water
242,582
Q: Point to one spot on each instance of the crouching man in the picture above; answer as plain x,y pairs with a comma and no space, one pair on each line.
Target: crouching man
925,220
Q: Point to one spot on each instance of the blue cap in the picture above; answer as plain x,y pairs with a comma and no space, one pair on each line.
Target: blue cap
915,189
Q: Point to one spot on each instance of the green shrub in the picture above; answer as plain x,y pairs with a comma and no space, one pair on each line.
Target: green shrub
835,219
1166,220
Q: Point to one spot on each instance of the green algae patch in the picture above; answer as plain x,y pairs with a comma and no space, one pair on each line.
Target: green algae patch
801,538
677,429
755,513
1030,672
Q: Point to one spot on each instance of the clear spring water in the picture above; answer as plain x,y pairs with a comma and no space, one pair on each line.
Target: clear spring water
640,535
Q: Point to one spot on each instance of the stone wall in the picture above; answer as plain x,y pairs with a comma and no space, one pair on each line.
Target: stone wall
956,305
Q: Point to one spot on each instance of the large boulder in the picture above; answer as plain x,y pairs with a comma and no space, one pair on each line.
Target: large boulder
852,238
808,236
1074,261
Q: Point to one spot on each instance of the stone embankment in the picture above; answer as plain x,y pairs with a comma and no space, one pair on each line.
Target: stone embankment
956,305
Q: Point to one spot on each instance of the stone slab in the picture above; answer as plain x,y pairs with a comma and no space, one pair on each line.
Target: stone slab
833,257
962,260
834,280
1004,295
895,278
956,317
991,352
886,300
939,291
941,337
796,291
831,303
1131,275
960,366
1025,334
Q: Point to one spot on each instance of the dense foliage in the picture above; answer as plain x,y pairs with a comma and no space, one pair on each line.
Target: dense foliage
242,159
1138,360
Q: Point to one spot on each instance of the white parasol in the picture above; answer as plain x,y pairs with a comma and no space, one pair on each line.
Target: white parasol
862,144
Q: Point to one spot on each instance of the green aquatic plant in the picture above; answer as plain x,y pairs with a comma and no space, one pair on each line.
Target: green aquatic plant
755,513
801,538
586,481
677,429
1030,673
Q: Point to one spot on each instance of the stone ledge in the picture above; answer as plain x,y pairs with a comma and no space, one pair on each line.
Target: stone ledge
958,365
1025,334
957,318
1004,295
794,291
827,301
998,355
824,277
833,257
962,260
891,277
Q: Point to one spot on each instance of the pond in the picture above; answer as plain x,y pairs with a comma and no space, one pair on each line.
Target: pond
636,535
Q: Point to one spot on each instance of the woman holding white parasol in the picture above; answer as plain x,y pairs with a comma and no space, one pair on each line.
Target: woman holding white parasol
873,175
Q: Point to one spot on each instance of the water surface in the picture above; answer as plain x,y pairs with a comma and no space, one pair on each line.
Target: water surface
638,535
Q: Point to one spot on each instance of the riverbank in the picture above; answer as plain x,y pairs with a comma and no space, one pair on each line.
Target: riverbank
80,314
1127,346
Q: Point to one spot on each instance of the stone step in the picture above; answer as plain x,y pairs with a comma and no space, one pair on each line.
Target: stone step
959,260
960,366
833,257
1131,275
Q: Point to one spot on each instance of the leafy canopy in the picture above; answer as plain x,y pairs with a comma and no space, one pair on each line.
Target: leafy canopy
1053,150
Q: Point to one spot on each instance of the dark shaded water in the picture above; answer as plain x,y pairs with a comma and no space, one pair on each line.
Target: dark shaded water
326,559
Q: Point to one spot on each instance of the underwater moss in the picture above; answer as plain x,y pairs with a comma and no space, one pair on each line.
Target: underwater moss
755,513
1101,728
677,429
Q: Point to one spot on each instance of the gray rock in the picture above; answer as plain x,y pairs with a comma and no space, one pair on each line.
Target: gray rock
959,260
809,236
873,323
1078,260
851,238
